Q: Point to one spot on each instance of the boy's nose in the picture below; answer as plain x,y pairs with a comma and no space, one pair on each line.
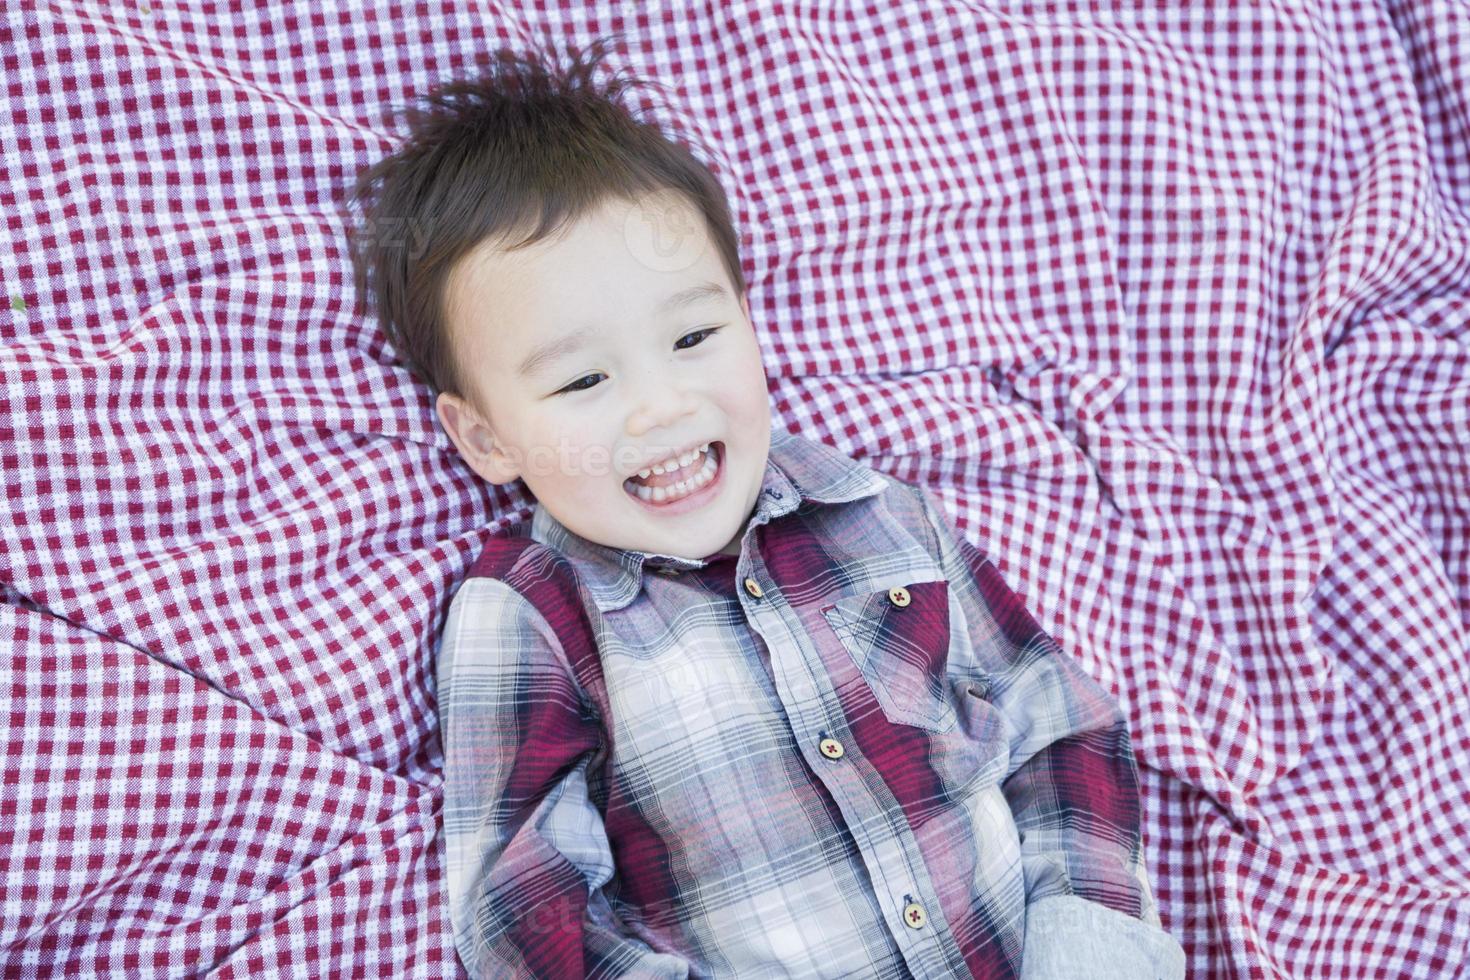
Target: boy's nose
658,404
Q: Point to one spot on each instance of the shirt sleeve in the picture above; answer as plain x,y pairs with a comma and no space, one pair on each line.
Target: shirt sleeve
527,854
1072,786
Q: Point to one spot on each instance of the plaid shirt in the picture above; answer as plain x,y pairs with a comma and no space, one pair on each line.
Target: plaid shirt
849,752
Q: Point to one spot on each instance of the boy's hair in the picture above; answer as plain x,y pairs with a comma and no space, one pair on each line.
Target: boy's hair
486,156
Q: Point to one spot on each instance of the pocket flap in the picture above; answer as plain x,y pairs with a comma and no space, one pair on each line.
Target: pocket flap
899,639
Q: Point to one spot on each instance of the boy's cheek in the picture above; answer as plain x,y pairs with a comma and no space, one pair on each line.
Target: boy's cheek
567,460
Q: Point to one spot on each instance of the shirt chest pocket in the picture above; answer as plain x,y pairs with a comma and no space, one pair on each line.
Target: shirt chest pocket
899,639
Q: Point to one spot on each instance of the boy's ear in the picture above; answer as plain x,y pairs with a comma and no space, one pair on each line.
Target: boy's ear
474,439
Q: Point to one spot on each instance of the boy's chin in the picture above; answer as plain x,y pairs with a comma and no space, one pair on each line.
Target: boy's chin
684,548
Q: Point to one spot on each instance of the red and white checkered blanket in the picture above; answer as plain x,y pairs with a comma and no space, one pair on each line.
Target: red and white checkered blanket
1169,303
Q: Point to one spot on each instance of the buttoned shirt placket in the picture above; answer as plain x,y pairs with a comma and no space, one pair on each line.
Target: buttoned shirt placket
878,826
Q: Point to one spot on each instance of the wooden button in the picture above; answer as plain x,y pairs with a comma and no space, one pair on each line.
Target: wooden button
899,596
753,588
831,748
914,916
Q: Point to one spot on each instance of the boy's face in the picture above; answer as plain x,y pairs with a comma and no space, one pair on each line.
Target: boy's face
646,380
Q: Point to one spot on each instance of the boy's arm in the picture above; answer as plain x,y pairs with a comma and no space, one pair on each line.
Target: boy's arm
527,851
1072,786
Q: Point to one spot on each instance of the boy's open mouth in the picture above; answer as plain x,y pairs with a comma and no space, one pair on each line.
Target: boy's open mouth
666,488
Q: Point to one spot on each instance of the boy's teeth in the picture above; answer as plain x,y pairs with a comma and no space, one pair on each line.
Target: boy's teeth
658,493
674,465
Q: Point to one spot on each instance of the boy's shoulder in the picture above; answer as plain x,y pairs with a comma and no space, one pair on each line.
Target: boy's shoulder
502,552
520,601
538,572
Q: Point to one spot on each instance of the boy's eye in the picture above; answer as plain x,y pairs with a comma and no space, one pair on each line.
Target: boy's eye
701,334
697,333
577,385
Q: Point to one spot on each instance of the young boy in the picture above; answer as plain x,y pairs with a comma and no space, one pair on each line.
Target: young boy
735,705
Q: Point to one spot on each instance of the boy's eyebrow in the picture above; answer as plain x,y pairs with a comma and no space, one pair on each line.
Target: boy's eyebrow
551,350
692,295
545,353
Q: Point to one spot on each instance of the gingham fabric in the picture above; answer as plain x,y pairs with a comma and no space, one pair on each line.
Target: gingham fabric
1167,304
847,752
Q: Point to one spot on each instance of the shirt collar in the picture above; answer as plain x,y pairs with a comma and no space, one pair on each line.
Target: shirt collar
797,469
